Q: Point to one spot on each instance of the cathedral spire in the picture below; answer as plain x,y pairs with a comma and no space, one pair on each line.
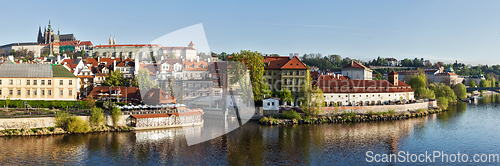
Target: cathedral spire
40,37
58,32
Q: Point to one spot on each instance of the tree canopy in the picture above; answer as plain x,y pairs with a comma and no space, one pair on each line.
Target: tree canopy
115,79
254,62
143,80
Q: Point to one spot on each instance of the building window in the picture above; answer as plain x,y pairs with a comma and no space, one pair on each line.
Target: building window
70,92
34,92
70,82
61,82
285,72
43,82
49,92
297,73
61,92
0,82
43,92
27,82
11,82
34,82
10,92
19,82
19,92
302,72
28,92
49,82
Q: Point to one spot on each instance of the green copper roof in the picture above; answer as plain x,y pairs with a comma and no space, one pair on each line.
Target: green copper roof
61,71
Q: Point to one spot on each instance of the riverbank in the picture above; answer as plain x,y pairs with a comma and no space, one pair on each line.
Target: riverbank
57,131
350,117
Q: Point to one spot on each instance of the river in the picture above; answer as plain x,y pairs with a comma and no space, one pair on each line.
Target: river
466,128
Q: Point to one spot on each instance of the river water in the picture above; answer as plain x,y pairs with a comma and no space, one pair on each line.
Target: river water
467,128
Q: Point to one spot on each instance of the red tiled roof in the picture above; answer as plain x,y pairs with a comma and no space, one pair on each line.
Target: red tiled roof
152,68
129,92
446,74
329,85
126,63
191,65
92,61
142,116
191,44
75,43
355,64
157,96
128,45
393,73
391,59
283,62
186,113
109,61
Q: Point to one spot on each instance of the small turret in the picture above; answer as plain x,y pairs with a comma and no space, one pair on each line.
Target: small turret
393,78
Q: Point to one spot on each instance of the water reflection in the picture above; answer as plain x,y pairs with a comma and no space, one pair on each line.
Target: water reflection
254,144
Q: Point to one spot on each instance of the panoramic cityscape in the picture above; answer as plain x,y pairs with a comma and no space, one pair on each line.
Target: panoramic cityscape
282,83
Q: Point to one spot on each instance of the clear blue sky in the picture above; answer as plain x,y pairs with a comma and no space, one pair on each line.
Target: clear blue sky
468,31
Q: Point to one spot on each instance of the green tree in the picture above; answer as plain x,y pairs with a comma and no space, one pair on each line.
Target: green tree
115,79
472,84
116,113
418,84
445,91
135,83
143,80
442,103
12,52
483,83
460,91
311,101
427,93
96,116
286,96
254,62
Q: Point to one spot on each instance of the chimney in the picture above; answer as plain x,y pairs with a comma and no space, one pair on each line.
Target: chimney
197,59
191,60
291,56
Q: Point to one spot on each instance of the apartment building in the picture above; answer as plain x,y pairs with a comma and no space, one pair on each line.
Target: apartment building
37,82
284,72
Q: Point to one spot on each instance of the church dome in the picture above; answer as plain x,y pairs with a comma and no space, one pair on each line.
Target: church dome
450,70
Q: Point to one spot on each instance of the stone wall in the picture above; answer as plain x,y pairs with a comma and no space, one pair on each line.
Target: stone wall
379,108
20,123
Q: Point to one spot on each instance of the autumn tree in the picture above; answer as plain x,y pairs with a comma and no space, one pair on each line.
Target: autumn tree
254,62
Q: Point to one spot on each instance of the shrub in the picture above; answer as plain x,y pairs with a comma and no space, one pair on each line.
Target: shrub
116,113
71,123
350,114
96,116
264,119
290,115
391,112
370,113
77,125
442,103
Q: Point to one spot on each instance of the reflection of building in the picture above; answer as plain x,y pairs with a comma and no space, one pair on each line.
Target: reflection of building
357,71
363,92
37,82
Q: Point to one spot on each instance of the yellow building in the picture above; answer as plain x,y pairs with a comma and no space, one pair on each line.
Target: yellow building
285,72
37,82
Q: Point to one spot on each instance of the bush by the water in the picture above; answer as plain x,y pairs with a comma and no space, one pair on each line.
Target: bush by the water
116,113
290,115
72,124
96,116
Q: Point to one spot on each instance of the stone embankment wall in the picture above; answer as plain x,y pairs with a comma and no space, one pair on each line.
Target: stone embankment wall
380,108
365,109
28,123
